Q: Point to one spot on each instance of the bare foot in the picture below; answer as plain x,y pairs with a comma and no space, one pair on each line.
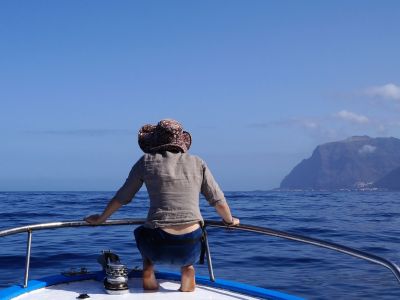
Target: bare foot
149,278
188,282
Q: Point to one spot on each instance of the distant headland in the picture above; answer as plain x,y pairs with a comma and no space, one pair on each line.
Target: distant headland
356,163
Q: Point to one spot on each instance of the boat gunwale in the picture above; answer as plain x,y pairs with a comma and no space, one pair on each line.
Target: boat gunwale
236,287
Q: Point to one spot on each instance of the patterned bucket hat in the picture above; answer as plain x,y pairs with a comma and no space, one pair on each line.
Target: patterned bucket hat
167,135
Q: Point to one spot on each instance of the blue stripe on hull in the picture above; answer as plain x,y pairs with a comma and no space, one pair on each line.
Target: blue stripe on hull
16,290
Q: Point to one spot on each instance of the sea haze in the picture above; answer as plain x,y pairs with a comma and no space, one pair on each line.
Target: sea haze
369,221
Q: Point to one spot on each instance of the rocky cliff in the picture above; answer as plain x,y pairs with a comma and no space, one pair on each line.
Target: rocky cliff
390,182
356,162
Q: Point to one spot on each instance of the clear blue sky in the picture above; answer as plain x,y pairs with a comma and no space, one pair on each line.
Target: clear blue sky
258,84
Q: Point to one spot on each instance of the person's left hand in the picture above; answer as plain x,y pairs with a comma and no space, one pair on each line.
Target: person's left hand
235,221
94,219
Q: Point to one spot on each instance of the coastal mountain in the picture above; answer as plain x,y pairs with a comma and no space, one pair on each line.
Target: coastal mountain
353,163
390,182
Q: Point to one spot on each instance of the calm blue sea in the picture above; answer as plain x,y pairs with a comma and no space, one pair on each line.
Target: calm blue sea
368,221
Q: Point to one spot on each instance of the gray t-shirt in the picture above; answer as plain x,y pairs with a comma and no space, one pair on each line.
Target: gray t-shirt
174,182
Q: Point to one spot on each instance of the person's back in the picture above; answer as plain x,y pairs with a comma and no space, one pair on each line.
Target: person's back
174,181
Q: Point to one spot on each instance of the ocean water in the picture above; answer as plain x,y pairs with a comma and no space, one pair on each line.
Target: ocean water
368,221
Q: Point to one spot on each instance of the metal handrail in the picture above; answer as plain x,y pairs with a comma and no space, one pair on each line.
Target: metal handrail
63,224
317,242
262,230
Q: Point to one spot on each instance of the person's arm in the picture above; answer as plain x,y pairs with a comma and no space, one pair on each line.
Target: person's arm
111,207
215,197
223,210
124,195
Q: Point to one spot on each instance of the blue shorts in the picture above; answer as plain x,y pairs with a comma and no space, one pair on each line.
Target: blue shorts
164,248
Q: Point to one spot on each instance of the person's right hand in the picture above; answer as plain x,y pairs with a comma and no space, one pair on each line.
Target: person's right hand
94,219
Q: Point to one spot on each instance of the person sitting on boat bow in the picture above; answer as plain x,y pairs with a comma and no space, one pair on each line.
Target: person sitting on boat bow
174,180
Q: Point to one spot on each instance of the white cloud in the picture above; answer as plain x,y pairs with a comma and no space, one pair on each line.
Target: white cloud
352,117
367,149
310,124
388,91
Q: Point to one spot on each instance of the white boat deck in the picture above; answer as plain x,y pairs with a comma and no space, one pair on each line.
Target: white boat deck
168,291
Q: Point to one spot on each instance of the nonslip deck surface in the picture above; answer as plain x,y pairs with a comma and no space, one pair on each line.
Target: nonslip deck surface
168,290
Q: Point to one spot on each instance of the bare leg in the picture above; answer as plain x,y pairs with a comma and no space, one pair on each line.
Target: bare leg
149,279
188,282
